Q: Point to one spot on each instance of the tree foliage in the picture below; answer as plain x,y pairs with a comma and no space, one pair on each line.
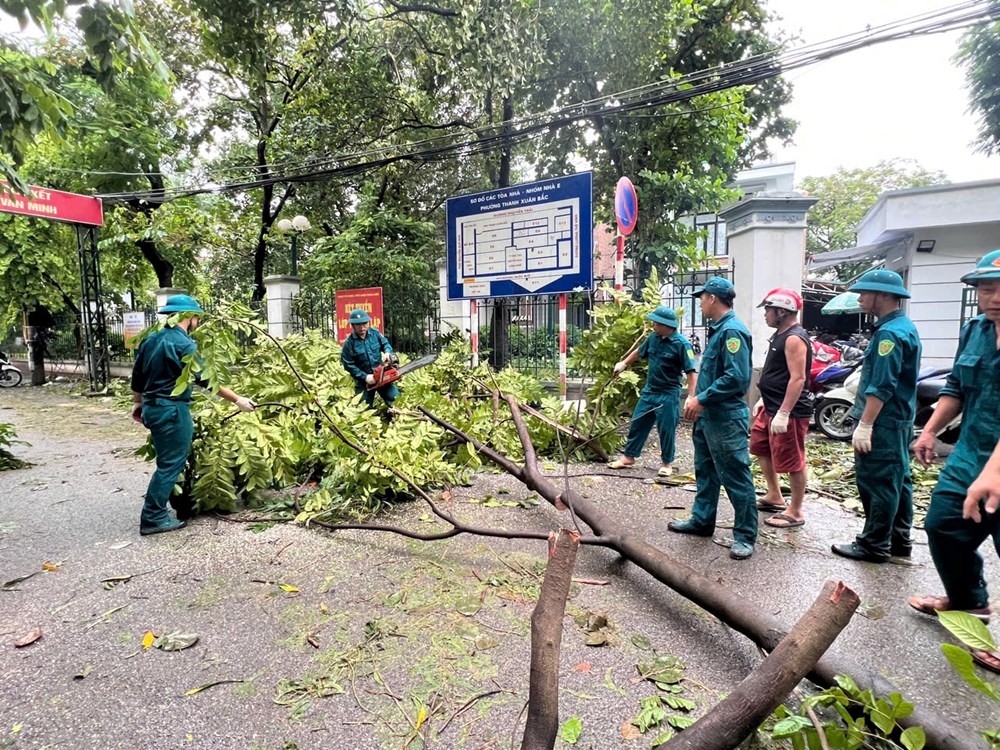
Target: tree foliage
979,54
844,197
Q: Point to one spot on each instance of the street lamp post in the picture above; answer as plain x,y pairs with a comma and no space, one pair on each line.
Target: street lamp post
297,226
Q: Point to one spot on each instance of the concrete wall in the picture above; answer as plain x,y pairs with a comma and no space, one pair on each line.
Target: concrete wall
454,313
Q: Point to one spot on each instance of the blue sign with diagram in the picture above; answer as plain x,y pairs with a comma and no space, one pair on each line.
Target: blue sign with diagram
535,238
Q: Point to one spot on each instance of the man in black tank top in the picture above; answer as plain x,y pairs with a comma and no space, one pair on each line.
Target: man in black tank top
782,415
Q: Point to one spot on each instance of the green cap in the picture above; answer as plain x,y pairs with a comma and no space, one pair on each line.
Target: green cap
880,280
664,315
718,286
987,268
178,303
359,316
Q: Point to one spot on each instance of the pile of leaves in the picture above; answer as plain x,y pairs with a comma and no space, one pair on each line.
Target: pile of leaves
312,430
8,437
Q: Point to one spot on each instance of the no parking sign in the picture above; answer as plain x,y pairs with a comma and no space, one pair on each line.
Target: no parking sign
626,206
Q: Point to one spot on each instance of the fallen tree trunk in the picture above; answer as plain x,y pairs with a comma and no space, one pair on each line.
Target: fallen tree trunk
730,722
743,615
546,640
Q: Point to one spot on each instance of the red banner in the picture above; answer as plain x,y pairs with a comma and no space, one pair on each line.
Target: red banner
369,300
54,205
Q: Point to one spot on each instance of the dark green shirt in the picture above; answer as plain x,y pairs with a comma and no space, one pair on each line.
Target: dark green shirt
160,361
668,359
360,356
975,381
724,377
889,371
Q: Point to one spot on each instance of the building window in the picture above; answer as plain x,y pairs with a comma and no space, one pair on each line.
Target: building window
713,241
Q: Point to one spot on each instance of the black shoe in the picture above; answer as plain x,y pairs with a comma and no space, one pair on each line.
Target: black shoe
170,525
688,527
855,551
900,551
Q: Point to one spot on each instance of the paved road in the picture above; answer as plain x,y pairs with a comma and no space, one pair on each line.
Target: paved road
376,626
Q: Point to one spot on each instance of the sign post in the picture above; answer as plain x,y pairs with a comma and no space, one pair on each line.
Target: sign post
626,214
562,346
134,323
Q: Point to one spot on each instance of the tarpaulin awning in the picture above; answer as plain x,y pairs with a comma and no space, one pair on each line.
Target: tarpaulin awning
862,252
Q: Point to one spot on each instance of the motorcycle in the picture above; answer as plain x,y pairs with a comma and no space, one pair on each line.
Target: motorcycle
833,408
10,376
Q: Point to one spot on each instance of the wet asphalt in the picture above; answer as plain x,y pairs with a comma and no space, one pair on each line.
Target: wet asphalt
386,620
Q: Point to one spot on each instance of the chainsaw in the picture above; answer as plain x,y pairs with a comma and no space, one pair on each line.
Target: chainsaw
390,370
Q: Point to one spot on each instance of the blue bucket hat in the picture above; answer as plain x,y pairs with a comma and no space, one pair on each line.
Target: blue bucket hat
664,315
880,280
359,316
988,268
178,303
718,286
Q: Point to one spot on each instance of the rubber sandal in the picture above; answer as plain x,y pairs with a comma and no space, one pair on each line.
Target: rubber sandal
619,464
665,471
931,605
787,522
770,507
989,660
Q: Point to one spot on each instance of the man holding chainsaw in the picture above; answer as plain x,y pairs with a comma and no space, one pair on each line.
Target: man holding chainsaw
963,513
885,407
363,351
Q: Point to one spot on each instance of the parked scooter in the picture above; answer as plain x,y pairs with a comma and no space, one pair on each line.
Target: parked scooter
833,407
10,376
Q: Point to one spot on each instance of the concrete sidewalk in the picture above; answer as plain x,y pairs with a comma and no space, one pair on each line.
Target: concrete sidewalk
336,640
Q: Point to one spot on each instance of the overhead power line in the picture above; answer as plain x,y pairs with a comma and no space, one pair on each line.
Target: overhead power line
747,72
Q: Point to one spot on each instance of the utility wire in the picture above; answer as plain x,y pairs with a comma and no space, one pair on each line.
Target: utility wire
748,72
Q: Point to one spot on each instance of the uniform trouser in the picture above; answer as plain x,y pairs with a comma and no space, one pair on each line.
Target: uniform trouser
661,409
389,393
954,542
722,459
886,490
171,428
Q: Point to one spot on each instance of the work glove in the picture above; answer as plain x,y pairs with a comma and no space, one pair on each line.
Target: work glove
620,367
779,425
385,356
862,439
137,412
370,379
245,404
758,407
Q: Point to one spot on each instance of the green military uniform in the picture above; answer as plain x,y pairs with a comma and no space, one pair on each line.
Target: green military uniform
721,447
158,364
889,373
953,540
360,357
659,401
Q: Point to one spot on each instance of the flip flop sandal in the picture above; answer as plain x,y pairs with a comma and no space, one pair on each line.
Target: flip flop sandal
619,464
987,660
770,507
665,471
926,605
787,522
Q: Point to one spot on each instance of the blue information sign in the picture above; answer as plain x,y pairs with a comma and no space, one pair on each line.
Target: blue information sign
526,239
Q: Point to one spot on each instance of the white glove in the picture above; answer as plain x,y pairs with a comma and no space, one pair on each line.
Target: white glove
779,425
245,404
620,367
758,407
862,439
370,379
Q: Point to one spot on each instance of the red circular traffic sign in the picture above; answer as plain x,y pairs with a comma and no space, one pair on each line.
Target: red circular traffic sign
626,206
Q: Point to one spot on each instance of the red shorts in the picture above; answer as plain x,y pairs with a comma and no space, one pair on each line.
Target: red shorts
787,450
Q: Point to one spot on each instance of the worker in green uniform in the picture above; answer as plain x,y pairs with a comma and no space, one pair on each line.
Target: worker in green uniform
722,423
885,406
364,350
158,364
954,533
670,356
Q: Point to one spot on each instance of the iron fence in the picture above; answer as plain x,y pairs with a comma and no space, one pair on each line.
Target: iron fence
970,305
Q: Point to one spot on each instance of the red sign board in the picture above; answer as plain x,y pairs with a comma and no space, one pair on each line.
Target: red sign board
54,205
369,300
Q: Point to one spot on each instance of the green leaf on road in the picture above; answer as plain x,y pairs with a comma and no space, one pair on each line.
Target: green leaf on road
968,629
571,730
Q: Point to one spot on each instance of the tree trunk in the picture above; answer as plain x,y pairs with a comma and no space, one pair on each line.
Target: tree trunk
739,613
546,640
500,327
730,722
162,267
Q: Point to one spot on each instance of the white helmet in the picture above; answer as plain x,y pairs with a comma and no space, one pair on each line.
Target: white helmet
786,299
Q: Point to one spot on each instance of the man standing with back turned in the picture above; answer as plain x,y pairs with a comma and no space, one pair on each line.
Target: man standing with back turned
885,407
721,419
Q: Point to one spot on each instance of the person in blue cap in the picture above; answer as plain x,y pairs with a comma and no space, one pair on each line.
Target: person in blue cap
958,521
721,423
158,364
884,410
363,350
670,356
